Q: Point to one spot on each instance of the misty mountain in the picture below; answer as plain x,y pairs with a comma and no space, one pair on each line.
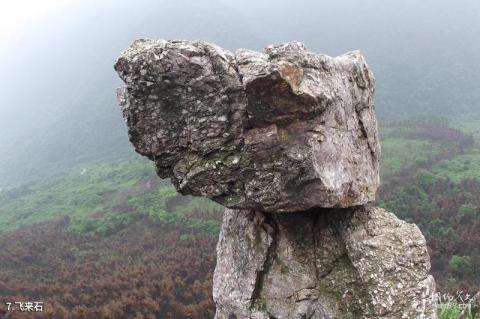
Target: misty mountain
57,96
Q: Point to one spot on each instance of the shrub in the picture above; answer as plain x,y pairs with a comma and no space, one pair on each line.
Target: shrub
462,264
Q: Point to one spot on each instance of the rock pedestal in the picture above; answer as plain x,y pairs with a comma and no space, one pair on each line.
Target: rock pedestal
324,263
287,140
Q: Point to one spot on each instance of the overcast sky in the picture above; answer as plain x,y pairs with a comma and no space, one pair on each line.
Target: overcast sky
17,15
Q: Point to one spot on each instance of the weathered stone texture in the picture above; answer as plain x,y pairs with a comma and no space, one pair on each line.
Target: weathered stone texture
354,263
279,131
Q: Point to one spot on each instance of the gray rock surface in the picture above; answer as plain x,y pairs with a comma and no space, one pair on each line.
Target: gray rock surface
354,263
278,131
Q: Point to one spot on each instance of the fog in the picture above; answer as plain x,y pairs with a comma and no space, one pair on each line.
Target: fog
57,96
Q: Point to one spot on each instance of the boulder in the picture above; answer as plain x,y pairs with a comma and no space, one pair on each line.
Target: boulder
281,130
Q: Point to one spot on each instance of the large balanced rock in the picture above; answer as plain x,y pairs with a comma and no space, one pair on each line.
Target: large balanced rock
277,131
325,263
282,131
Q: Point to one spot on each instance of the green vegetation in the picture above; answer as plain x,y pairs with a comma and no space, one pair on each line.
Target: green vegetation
460,167
431,177
103,199
455,310
92,191
468,123
467,212
462,264
397,153
458,306
450,311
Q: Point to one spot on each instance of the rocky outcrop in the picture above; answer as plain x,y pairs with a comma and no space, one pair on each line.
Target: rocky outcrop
355,263
280,131
287,140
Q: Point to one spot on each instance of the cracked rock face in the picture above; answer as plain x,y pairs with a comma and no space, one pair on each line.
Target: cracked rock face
281,130
358,263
